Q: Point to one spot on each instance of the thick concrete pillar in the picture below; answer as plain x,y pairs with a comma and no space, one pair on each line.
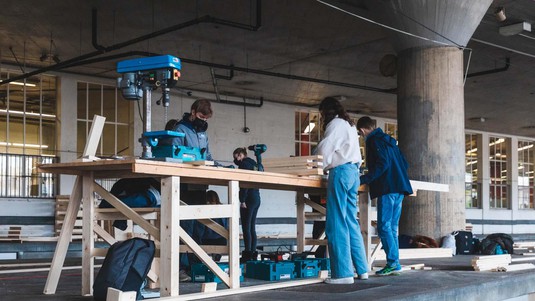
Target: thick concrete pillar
430,104
431,134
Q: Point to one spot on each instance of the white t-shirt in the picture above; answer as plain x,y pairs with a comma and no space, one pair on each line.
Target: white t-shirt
340,145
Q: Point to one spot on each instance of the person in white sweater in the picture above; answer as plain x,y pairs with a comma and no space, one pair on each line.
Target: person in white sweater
341,157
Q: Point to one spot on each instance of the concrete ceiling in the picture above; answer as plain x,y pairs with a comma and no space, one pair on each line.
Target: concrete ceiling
303,51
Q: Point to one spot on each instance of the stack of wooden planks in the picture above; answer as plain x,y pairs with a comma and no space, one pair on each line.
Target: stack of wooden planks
301,166
491,262
417,253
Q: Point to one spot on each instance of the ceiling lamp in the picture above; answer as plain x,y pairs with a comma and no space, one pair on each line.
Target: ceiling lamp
500,14
514,29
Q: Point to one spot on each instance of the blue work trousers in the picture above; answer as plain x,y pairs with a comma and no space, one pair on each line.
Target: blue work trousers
388,214
342,227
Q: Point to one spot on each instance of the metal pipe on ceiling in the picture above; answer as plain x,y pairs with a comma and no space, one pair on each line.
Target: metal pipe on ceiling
102,49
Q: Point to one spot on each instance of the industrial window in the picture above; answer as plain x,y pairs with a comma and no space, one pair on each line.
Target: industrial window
28,115
103,100
308,132
498,173
472,192
526,159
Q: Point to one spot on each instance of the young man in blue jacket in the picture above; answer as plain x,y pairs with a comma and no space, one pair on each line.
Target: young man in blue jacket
388,181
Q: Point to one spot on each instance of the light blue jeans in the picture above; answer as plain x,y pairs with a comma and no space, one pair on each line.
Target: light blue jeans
388,214
342,228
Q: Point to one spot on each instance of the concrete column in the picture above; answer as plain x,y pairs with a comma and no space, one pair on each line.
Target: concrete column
431,135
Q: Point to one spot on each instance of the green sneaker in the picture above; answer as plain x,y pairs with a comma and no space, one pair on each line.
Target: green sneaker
388,270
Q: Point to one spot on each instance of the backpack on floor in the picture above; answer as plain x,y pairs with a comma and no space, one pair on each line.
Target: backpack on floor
464,243
125,267
497,241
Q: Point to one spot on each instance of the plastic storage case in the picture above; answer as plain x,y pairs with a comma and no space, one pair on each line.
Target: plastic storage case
270,270
307,268
201,273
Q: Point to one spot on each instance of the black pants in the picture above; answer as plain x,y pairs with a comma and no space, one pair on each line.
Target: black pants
248,221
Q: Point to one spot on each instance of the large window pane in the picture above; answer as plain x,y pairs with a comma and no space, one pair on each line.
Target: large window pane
498,173
526,161
307,132
472,195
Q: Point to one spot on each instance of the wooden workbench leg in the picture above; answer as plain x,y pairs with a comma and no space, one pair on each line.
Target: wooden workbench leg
364,220
88,236
234,234
169,237
300,203
64,238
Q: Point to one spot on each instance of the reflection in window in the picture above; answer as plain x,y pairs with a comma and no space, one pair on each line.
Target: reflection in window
498,173
307,132
526,159
391,129
102,100
471,186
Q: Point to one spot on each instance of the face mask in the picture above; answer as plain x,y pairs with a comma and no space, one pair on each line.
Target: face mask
200,125
237,162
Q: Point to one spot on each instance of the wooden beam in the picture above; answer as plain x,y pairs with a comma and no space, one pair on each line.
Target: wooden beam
88,238
170,231
94,136
64,239
104,234
127,211
205,211
234,231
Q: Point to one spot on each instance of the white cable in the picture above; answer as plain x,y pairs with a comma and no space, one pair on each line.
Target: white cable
503,47
383,25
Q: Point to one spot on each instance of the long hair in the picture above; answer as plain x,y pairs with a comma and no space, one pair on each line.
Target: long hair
212,198
330,108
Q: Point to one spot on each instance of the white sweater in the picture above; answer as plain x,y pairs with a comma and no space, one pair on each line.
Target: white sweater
340,144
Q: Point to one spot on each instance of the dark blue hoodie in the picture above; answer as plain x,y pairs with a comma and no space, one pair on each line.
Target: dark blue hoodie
387,167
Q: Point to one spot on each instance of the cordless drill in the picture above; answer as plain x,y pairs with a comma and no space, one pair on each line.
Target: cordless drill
258,149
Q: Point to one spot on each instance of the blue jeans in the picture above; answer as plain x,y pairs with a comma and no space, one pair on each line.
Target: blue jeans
388,213
342,227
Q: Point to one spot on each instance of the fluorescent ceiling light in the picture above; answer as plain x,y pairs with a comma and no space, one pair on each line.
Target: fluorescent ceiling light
525,147
20,84
309,128
501,140
27,145
15,112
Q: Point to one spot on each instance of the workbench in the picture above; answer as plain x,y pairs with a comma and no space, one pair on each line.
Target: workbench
171,211
168,235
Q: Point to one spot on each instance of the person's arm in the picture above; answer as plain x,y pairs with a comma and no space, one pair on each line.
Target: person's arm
382,163
329,144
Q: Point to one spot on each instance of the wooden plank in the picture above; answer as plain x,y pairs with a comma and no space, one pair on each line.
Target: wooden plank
209,287
205,258
127,211
297,171
104,234
309,163
316,206
217,228
515,267
419,185
234,239
64,239
117,295
94,136
292,160
169,253
314,216
418,253
205,211
209,249
88,239
300,224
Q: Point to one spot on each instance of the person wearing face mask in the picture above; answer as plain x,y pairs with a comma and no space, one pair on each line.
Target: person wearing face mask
194,126
249,204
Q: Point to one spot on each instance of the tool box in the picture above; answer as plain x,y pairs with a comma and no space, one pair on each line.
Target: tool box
270,270
201,273
307,268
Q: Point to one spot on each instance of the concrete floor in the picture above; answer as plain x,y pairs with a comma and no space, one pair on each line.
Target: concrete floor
450,279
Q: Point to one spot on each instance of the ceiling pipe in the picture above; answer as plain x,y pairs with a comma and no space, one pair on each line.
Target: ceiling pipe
102,49
495,70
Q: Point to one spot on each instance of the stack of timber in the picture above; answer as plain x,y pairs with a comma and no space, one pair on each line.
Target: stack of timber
301,166
416,253
62,202
491,262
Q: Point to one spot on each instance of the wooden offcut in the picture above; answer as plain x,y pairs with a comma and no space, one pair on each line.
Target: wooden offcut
302,166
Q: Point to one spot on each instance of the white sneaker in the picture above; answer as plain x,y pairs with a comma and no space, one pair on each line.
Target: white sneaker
183,276
345,280
363,276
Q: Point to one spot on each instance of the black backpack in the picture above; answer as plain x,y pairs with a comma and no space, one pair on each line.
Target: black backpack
125,267
464,242
488,245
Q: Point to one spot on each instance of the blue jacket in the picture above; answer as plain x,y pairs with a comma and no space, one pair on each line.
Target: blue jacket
387,167
248,193
192,138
